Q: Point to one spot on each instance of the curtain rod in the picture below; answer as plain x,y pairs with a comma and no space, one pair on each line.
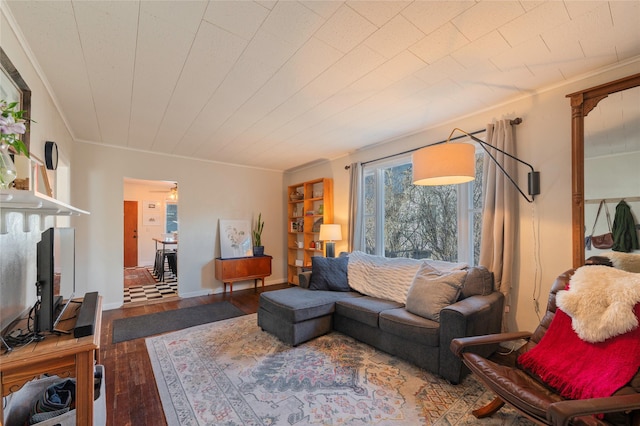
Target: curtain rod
513,122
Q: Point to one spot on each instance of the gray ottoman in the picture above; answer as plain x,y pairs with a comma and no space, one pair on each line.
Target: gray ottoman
295,315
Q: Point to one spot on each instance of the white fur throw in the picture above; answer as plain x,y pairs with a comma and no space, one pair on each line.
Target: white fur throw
629,262
388,278
601,301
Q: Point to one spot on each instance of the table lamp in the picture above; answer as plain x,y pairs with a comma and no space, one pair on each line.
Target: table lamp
330,233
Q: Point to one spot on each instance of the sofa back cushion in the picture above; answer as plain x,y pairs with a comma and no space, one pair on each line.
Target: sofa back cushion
479,282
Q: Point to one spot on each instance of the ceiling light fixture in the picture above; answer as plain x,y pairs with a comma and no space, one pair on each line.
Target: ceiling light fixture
173,193
447,163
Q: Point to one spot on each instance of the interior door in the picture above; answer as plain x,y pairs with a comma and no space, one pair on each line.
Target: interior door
130,233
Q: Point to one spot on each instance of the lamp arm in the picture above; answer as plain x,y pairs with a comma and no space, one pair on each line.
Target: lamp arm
534,177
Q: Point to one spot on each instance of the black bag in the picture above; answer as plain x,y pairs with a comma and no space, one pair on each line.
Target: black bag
603,241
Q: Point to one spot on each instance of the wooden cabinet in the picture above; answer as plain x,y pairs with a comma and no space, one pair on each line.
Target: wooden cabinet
242,269
309,204
60,354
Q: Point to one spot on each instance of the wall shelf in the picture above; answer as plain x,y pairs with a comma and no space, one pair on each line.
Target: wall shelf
23,200
32,203
37,199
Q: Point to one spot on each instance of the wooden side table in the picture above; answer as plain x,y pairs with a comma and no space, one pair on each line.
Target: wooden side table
63,355
242,269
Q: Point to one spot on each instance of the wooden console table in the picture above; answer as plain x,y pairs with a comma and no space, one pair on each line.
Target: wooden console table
242,269
62,355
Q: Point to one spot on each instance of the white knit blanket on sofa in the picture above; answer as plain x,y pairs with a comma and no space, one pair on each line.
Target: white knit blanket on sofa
388,278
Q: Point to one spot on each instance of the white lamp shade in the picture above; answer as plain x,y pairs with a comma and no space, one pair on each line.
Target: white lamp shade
444,164
330,232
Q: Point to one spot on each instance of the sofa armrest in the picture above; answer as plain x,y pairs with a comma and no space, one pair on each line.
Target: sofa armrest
304,278
459,344
473,316
561,413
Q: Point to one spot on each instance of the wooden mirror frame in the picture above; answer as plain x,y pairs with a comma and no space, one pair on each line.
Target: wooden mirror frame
582,103
23,88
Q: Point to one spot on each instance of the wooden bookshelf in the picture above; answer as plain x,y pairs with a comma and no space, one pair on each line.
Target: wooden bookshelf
305,213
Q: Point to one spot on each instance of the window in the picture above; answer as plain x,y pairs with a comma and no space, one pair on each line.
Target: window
404,220
171,222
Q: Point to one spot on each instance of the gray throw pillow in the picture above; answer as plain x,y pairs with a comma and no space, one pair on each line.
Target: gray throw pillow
433,290
329,273
479,282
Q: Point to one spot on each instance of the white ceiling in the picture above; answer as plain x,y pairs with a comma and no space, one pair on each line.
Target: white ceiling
278,84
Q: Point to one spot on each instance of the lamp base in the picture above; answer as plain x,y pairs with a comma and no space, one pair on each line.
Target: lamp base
331,249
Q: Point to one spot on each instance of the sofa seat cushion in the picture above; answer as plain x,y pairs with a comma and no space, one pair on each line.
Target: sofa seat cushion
365,309
403,323
296,304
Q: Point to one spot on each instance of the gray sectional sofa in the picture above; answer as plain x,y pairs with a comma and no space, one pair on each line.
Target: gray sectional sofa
419,330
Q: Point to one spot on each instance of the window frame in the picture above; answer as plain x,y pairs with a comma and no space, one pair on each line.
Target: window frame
465,207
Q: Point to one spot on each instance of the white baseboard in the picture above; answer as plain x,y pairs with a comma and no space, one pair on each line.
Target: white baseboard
198,293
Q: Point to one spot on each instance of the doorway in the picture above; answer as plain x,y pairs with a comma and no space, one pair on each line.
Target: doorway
150,219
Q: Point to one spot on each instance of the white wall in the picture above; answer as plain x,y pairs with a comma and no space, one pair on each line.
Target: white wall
544,140
208,192
18,248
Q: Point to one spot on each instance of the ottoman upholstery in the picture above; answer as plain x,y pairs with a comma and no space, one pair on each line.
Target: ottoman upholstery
296,315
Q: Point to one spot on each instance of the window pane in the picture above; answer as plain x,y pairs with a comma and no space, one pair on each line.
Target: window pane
404,220
369,221
172,218
420,221
476,227
370,235
477,232
435,209
477,183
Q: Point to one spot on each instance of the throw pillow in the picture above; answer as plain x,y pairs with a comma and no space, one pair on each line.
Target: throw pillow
479,282
433,290
329,273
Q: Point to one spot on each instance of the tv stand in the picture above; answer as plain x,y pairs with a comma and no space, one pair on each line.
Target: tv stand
62,355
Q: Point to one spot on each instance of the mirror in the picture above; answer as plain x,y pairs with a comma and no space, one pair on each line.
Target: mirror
14,88
582,103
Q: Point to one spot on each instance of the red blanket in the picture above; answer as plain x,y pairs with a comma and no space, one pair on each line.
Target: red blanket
578,369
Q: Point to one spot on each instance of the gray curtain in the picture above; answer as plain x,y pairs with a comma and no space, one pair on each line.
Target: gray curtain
355,206
500,205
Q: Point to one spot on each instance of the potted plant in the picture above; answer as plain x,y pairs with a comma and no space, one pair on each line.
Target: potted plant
12,126
258,248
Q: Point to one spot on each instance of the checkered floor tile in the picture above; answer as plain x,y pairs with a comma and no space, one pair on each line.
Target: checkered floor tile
145,293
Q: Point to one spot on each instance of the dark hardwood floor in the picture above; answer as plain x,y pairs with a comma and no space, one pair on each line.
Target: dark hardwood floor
132,396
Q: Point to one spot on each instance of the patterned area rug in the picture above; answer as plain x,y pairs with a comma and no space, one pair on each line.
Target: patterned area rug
137,276
232,373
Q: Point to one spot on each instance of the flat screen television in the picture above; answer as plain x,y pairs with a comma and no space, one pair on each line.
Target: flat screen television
55,276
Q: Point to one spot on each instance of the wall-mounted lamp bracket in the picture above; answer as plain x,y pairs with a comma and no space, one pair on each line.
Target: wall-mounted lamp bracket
533,177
